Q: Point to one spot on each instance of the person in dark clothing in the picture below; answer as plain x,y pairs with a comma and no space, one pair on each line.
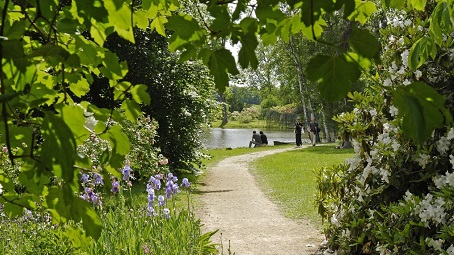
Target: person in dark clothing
256,140
315,132
264,138
298,132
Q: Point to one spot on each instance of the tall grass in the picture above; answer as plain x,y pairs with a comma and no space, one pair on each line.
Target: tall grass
289,178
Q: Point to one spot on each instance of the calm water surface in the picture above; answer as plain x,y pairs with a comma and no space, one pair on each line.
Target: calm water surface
239,137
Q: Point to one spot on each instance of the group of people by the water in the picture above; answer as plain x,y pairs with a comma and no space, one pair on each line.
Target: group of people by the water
258,139
314,134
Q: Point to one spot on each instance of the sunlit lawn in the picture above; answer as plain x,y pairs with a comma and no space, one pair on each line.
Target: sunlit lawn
289,177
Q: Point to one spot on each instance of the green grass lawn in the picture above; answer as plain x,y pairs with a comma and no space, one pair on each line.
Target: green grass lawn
289,178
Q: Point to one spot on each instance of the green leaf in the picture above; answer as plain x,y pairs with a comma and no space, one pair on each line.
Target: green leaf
222,62
120,145
396,4
91,9
364,43
419,5
221,23
246,55
132,110
139,94
420,106
334,74
17,135
51,51
16,31
421,50
158,25
440,22
58,148
363,11
186,29
80,88
90,219
74,118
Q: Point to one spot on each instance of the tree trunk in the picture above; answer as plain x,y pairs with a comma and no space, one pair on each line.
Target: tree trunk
325,125
224,110
299,68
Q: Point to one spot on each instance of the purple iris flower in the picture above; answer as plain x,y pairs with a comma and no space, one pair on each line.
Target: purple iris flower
98,179
161,200
85,178
126,173
115,187
166,212
185,182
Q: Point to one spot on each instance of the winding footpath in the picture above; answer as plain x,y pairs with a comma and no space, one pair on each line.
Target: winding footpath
248,222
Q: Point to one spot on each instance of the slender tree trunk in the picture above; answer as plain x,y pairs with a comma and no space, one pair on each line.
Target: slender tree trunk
325,124
224,110
301,80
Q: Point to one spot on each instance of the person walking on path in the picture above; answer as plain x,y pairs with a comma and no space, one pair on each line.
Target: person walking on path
256,140
315,132
298,132
263,138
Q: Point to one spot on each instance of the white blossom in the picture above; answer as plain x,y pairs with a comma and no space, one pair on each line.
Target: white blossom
407,82
387,82
418,74
373,112
1,189
436,244
393,111
443,145
404,56
423,160
450,250
431,210
450,134
384,175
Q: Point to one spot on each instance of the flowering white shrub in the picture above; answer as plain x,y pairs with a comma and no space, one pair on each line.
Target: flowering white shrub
393,196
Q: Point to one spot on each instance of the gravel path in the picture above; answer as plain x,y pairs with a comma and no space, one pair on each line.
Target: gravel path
232,202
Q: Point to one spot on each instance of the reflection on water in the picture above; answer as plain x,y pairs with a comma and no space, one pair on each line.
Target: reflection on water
239,137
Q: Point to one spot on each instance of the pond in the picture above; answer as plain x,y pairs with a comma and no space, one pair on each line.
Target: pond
240,137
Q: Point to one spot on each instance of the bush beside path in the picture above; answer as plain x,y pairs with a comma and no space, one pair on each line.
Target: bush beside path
232,202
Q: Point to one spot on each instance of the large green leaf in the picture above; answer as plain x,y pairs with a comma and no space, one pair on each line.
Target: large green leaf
420,51
58,148
119,143
158,25
221,23
74,118
422,109
334,75
121,19
364,43
440,22
131,109
246,55
186,29
80,88
221,63
139,94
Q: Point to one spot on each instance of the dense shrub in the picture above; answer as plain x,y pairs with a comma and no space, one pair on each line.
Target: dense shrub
394,196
